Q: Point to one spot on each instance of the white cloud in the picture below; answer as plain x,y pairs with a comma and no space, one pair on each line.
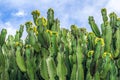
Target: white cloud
113,6
68,11
20,13
10,29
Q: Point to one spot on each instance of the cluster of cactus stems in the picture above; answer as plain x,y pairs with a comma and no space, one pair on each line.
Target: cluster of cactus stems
53,53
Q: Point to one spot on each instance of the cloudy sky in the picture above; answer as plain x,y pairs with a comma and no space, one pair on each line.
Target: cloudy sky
16,12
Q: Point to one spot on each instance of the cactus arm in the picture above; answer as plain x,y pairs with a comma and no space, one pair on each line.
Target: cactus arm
29,64
94,26
35,15
108,37
73,74
113,20
80,73
3,36
51,68
91,39
104,15
43,64
117,43
20,60
79,54
21,30
50,18
43,69
61,67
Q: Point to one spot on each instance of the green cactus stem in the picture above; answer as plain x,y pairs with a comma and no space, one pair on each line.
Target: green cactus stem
29,62
50,18
61,67
51,68
3,36
108,37
94,26
20,58
28,25
21,30
35,15
104,15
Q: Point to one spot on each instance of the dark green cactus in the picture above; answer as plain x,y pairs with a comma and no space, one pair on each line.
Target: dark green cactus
3,36
50,18
21,30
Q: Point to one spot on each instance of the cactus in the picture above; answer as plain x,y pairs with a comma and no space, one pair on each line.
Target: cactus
51,68
94,26
61,68
53,53
108,37
29,65
3,36
35,15
104,15
20,59
50,18
21,30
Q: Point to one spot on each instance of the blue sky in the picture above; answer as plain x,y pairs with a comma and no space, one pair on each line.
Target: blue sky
16,12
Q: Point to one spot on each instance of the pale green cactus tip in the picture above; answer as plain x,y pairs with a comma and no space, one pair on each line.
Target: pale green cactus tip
4,31
21,25
105,54
91,18
103,11
35,30
36,12
73,27
30,28
82,29
90,53
28,23
52,32
10,37
44,21
91,33
50,10
18,44
107,23
118,19
113,14
17,31
38,20
100,39
118,22
55,33
28,46
49,31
